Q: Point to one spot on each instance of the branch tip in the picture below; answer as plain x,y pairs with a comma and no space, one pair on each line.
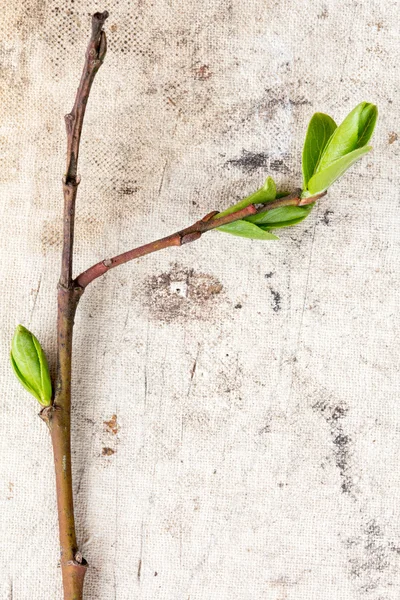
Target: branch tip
98,20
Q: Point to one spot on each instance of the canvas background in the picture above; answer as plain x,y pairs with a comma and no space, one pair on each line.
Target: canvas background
256,448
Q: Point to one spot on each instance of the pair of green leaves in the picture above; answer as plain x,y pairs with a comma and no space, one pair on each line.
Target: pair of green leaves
30,365
328,152
259,226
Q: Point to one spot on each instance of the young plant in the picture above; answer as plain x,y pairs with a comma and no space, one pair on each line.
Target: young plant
328,152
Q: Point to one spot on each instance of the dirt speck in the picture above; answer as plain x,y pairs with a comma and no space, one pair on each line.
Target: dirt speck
202,73
326,217
251,161
393,137
108,452
10,494
276,301
334,413
111,426
183,293
371,556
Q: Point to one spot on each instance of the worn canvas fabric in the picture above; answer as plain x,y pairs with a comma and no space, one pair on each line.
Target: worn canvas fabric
236,419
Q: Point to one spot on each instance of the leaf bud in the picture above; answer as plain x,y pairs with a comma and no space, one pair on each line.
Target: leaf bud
30,365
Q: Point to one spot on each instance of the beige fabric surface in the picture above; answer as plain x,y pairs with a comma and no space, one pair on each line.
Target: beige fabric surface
256,445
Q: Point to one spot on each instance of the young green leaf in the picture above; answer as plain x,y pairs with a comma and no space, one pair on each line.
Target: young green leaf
368,118
324,178
30,365
320,129
247,230
265,194
355,131
281,214
281,224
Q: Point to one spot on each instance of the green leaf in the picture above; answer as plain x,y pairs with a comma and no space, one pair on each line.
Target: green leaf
21,378
324,178
246,230
281,215
320,129
30,365
265,194
367,124
353,133
273,226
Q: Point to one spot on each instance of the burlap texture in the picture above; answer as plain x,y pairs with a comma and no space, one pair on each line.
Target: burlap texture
256,445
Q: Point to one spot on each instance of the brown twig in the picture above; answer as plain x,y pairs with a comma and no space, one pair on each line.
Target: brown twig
190,234
58,415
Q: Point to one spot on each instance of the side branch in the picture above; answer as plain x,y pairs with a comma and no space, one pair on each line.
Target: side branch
190,234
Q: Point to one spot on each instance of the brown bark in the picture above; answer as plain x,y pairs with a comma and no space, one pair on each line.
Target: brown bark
58,416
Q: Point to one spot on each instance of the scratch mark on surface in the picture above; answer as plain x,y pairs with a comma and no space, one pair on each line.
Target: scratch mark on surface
139,571
80,480
145,366
35,298
180,544
193,371
126,319
307,282
162,177
305,299
11,592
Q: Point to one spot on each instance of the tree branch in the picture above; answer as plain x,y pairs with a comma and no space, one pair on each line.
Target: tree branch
58,415
95,54
190,234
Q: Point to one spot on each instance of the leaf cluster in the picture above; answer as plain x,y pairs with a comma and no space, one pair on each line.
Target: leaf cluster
328,151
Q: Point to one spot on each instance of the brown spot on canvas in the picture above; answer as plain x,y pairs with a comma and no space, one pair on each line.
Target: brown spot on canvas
10,494
108,452
202,73
393,137
182,293
112,426
86,228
